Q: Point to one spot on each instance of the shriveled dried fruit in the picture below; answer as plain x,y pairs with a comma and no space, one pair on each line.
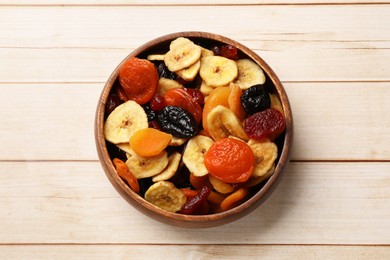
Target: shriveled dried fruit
230,160
139,79
149,142
269,124
233,199
195,202
178,122
255,99
124,172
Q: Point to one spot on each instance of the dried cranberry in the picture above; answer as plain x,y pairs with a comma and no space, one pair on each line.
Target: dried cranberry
269,123
195,202
255,99
196,95
157,103
178,122
230,52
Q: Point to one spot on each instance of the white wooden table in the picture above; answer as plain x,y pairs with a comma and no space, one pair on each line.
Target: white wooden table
333,58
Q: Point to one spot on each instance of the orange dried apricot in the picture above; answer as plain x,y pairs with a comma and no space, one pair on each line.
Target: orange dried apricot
124,172
139,79
230,160
149,141
234,101
233,199
219,96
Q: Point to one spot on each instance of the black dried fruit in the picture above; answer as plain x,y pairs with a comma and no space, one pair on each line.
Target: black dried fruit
255,99
177,122
151,114
112,102
164,72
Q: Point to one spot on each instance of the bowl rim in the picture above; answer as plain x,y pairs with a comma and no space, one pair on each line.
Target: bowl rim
193,220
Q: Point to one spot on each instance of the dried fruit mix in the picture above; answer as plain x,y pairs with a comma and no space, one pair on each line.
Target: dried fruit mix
196,125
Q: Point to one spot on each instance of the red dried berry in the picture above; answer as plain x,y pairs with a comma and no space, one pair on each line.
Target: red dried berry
157,103
230,52
195,202
268,123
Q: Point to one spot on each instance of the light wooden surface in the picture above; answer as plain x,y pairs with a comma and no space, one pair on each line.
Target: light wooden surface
333,58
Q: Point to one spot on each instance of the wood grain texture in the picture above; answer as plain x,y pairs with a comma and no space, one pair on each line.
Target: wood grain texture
315,203
49,128
187,2
11,252
69,44
334,60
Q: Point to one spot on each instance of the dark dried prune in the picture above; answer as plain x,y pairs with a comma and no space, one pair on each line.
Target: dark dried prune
177,122
164,72
112,102
255,99
151,114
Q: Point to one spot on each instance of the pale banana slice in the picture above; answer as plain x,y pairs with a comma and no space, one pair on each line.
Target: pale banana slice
159,57
254,180
182,55
177,141
189,73
265,155
124,147
275,103
170,170
222,123
144,167
217,70
249,74
179,40
205,89
164,85
124,121
166,196
193,156
206,52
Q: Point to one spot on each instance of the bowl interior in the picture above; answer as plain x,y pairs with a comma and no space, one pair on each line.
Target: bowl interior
207,40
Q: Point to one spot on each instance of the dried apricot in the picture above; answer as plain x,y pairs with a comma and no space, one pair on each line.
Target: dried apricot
124,172
230,160
139,79
149,142
233,199
234,101
219,96
269,124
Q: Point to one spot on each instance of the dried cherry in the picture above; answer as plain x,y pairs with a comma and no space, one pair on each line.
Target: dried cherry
157,103
255,99
178,122
269,123
195,202
229,51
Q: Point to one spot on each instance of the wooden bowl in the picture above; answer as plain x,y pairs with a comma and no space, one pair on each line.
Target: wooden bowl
195,221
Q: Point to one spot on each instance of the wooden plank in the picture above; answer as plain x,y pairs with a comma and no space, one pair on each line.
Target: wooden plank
315,203
180,2
68,44
51,124
194,252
